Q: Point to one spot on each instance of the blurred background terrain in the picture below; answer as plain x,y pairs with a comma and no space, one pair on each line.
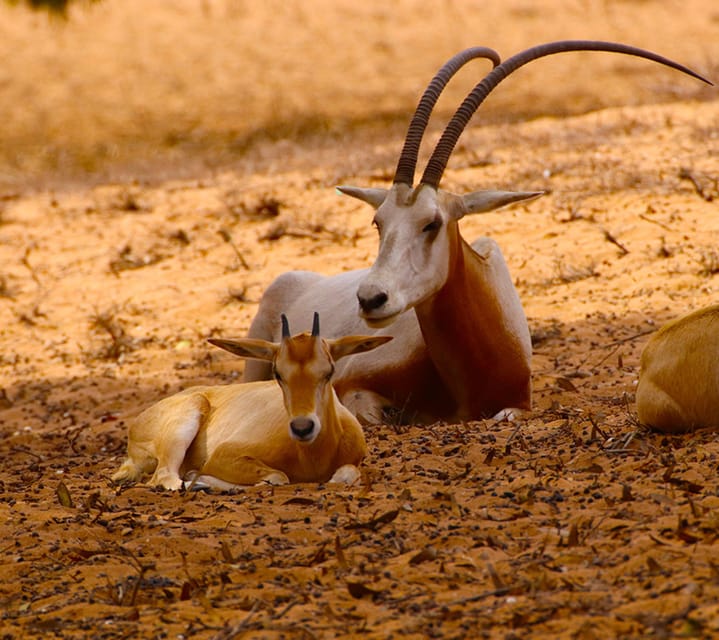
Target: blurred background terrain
135,88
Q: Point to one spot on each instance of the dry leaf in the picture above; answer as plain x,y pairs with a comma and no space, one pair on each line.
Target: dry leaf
385,518
63,495
573,537
300,500
566,384
226,552
360,590
341,560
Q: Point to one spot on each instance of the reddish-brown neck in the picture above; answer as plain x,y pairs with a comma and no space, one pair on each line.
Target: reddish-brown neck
479,358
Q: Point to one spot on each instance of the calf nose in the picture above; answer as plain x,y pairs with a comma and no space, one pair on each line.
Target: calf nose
371,298
302,428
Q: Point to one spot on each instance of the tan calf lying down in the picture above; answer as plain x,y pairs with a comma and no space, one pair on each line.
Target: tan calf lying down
242,434
679,378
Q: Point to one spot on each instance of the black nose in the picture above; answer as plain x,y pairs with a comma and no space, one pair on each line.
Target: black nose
302,428
373,302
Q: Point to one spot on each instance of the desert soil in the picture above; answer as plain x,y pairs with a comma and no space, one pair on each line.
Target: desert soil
161,164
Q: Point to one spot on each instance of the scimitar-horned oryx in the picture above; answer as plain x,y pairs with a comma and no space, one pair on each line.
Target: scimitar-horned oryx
462,347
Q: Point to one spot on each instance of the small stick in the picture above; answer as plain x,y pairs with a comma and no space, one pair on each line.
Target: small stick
610,238
225,235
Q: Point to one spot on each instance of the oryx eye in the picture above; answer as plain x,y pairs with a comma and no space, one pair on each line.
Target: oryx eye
434,226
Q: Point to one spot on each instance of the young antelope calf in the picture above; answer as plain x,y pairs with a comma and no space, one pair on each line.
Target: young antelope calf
679,378
242,434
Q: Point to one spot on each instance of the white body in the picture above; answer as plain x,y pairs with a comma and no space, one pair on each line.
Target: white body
462,347
678,388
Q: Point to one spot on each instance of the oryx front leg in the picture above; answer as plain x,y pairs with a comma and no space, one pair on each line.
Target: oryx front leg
367,406
510,414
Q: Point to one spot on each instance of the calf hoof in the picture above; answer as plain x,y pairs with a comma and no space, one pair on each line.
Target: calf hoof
275,478
167,480
195,482
346,474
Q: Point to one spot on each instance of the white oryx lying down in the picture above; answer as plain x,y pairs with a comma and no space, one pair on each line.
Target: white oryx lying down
462,348
292,430
678,387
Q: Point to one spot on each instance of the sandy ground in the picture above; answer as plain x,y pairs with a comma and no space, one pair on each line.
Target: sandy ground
160,165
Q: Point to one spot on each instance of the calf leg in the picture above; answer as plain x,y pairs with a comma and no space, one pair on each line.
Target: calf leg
346,474
228,468
179,428
136,465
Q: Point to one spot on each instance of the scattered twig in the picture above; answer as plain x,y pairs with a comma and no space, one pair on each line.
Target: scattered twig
596,429
610,238
25,260
292,603
141,567
621,445
687,174
515,431
225,235
656,222
121,342
501,591
631,338
313,231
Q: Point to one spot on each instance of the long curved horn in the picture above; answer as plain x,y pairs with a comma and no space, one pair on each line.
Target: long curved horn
316,325
440,156
408,158
285,327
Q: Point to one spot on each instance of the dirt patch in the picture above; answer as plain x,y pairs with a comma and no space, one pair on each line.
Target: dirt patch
571,523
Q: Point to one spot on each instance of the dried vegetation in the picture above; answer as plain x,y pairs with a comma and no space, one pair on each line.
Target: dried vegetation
573,522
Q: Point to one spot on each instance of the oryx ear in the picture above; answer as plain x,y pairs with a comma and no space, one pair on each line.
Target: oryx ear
347,345
373,197
248,348
483,201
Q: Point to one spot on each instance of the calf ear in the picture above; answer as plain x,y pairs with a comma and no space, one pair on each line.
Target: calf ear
483,201
374,197
348,345
248,348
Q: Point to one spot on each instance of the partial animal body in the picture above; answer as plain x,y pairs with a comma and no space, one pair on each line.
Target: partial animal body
291,430
462,347
678,389
404,380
